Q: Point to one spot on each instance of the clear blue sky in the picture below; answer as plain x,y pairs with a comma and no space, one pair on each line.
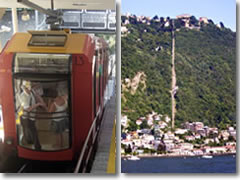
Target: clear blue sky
217,10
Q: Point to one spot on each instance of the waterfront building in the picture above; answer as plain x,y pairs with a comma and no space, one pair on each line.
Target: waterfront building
169,146
186,146
215,150
197,152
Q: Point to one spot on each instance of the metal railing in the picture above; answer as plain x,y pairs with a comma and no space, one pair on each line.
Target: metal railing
88,146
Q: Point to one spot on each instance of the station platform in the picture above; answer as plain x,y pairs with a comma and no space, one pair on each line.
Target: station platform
105,158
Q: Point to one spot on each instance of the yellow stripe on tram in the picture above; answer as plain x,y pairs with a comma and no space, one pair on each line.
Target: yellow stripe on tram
112,153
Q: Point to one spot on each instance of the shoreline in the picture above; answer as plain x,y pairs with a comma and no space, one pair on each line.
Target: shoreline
169,155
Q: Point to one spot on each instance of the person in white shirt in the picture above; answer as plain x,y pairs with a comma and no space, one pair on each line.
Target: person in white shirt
29,104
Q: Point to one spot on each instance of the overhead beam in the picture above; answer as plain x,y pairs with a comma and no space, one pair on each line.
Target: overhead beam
38,8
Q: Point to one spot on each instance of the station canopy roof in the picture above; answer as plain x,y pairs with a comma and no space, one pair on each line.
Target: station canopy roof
64,4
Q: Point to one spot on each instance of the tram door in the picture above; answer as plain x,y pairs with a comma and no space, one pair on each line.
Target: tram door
42,100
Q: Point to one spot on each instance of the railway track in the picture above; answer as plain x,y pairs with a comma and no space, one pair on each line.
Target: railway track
82,165
47,167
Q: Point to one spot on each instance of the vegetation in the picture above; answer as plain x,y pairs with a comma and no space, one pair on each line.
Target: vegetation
205,70
139,54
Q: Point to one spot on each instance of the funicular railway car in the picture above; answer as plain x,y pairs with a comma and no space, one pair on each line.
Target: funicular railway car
52,86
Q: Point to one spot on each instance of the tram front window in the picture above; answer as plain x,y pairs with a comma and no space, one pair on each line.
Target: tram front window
42,114
41,91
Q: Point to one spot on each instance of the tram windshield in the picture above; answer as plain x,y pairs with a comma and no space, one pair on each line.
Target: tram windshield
42,102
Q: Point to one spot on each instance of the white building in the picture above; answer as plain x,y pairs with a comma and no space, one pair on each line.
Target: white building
150,122
124,121
184,16
207,141
149,137
124,29
139,122
162,124
167,119
181,131
198,152
167,24
186,146
204,20
215,150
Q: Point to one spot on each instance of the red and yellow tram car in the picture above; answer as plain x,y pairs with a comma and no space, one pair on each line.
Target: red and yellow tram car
52,88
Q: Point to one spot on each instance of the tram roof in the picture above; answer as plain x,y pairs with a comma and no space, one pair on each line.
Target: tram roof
75,44
64,4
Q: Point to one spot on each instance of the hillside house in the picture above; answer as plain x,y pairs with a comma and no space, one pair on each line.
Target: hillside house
167,119
198,126
184,16
190,138
181,131
124,121
139,122
124,29
204,20
162,124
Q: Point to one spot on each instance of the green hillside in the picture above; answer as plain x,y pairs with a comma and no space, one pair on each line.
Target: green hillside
205,70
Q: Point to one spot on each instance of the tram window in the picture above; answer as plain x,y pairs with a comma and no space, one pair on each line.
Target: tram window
42,114
50,40
41,63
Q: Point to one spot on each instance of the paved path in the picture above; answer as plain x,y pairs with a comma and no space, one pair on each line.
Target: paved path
104,161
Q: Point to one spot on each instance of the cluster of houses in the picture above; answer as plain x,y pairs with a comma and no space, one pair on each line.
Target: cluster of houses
192,139
185,20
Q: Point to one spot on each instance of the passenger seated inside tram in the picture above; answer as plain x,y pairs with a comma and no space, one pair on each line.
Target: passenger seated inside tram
58,108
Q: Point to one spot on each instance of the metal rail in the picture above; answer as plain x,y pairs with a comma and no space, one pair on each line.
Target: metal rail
22,168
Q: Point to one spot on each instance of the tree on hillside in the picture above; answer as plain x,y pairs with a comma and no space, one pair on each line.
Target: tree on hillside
193,21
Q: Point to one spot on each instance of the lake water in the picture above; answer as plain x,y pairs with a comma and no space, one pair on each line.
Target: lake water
218,164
